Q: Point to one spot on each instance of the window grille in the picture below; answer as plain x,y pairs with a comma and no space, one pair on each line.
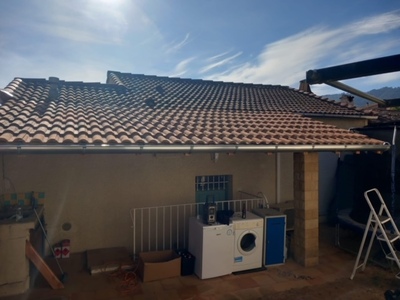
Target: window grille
212,182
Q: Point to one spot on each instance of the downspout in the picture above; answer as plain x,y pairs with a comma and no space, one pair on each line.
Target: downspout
3,175
278,177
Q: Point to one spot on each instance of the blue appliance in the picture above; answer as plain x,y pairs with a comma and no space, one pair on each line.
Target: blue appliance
274,236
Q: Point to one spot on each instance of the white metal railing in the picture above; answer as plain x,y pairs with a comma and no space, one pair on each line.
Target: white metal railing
260,195
166,227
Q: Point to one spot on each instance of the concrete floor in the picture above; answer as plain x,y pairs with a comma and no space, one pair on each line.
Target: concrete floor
334,264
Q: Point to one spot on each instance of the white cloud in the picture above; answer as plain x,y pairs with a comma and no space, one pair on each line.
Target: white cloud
175,46
286,61
377,24
381,79
181,68
213,58
218,63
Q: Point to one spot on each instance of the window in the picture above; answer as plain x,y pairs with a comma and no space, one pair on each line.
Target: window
213,187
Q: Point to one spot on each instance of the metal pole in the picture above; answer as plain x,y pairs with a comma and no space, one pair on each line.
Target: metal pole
393,172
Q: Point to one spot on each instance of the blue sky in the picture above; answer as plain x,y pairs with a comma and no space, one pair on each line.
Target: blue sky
252,41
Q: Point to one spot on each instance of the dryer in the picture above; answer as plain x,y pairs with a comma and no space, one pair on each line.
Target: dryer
248,241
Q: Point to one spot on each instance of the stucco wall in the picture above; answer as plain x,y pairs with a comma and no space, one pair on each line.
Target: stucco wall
94,193
285,182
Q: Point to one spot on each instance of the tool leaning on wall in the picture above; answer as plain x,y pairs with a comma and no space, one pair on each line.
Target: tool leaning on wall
34,203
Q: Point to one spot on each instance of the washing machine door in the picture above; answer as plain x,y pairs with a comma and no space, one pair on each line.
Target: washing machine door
246,243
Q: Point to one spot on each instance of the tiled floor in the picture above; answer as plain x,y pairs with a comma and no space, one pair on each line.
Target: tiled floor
334,264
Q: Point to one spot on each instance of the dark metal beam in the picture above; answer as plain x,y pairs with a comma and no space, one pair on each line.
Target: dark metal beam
370,67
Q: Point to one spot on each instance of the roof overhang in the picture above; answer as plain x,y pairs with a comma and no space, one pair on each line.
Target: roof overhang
137,149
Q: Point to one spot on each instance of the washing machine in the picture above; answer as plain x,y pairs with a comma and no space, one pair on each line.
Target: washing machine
248,241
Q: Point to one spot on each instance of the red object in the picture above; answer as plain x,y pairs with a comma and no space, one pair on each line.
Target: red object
65,248
57,251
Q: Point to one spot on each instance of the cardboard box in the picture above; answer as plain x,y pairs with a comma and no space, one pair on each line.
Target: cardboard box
158,265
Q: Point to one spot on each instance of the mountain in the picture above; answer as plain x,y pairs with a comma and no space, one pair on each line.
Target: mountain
382,93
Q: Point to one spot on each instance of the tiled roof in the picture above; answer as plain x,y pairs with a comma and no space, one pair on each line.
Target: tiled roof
199,94
385,115
149,110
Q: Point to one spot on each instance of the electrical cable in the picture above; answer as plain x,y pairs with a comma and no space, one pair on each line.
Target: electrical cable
127,279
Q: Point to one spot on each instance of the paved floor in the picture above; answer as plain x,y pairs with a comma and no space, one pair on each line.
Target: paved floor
334,264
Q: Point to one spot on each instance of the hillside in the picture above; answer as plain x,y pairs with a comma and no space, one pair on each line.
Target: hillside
382,93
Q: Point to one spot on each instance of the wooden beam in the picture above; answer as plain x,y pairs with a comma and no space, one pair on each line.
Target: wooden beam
43,268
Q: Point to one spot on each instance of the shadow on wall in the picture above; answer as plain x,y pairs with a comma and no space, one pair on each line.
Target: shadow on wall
358,173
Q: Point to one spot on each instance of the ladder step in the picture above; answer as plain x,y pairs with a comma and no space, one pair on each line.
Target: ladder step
391,237
381,219
391,257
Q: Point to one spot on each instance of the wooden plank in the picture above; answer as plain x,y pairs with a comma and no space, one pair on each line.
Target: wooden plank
43,268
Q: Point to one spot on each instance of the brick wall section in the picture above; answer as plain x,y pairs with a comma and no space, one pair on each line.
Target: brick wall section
306,208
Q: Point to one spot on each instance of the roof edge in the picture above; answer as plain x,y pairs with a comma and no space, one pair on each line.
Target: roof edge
130,149
360,116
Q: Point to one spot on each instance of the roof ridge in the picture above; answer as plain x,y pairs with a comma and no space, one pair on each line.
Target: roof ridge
63,82
262,85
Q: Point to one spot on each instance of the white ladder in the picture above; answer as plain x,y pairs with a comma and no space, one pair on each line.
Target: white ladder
383,228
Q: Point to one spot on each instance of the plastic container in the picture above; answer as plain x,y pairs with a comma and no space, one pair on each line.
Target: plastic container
18,215
187,262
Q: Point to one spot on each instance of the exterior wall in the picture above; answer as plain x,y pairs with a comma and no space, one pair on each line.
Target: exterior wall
94,193
285,183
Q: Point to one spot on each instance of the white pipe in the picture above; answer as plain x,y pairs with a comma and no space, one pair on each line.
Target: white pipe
278,177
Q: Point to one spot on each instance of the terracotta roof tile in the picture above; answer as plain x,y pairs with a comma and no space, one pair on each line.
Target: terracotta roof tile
385,115
139,109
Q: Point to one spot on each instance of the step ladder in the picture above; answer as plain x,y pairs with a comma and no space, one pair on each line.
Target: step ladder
384,229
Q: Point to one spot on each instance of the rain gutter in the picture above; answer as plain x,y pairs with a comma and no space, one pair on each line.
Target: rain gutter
129,149
339,116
